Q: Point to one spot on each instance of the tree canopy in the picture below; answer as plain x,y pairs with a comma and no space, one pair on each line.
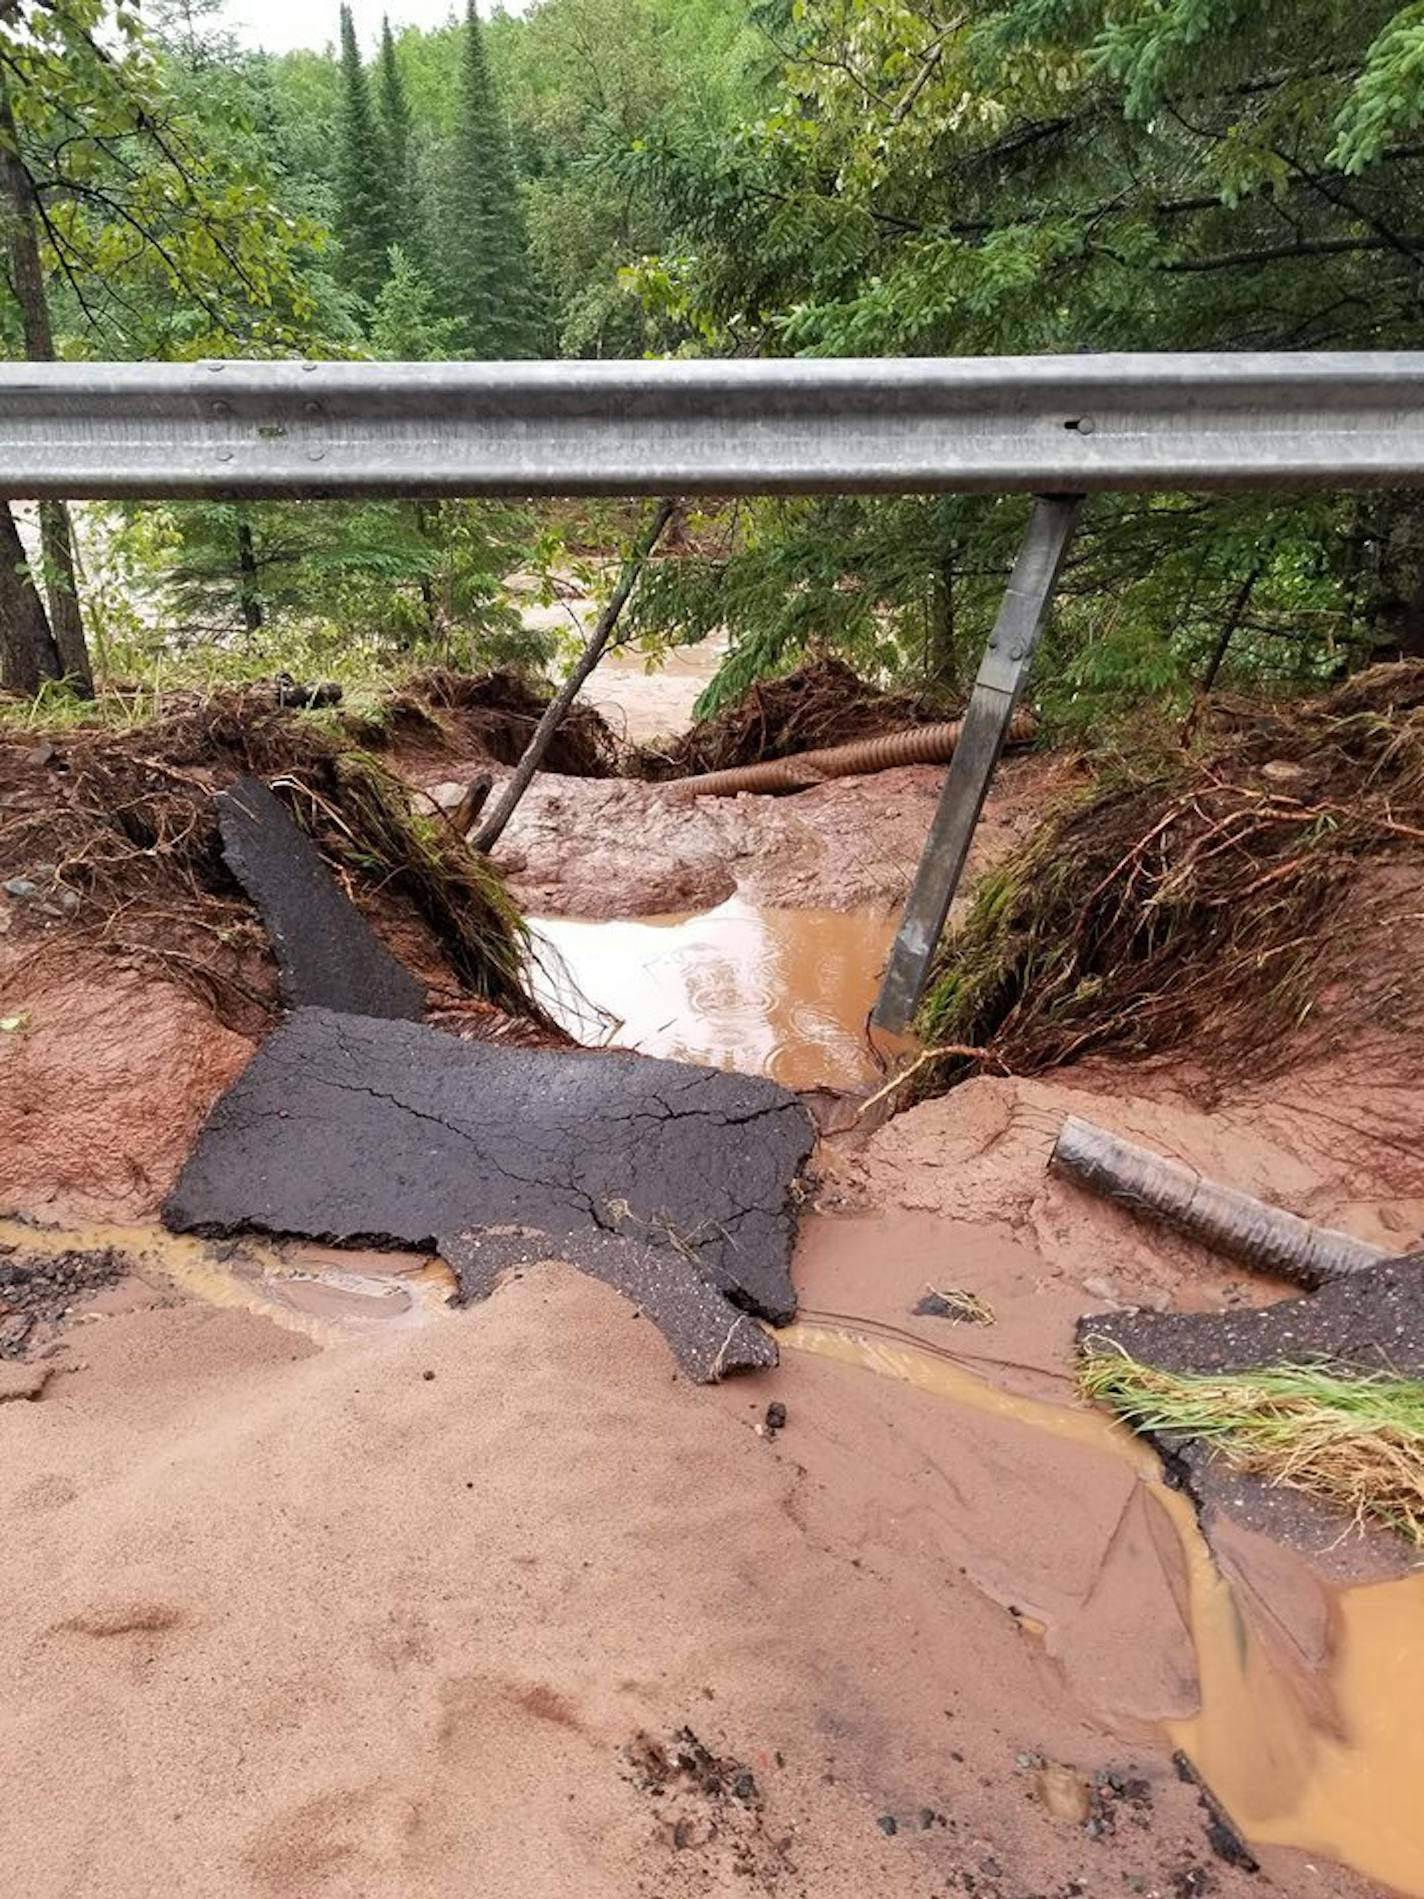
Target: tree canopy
829,177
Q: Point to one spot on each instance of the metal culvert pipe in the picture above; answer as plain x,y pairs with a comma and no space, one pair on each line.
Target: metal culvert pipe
1231,1222
919,745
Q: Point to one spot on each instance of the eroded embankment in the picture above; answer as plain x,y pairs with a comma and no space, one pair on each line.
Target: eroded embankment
456,1594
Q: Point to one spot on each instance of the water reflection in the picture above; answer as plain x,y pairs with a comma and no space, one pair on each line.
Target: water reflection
781,993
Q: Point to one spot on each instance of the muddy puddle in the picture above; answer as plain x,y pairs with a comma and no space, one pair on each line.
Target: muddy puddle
1340,1780
322,1292
785,994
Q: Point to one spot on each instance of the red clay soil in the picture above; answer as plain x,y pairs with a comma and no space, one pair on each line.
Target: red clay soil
616,847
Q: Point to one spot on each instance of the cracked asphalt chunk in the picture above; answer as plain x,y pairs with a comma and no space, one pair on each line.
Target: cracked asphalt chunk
710,1338
1366,1321
328,956
347,1128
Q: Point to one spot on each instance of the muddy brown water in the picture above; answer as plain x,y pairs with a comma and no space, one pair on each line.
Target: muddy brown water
1350,1793
785,994
323,1292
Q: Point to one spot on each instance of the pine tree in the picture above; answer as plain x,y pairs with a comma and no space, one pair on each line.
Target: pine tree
363,207
396,125
486,278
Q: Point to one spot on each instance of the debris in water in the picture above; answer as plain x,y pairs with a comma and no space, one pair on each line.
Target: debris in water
328,956
955,1304
343,1128
709,1336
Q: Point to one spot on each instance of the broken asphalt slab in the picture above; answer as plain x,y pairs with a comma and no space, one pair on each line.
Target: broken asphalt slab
1371,1320
328,956
349,1129
1367,1321
710,1338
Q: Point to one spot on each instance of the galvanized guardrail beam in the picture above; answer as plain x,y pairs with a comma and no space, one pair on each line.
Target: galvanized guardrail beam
1047,424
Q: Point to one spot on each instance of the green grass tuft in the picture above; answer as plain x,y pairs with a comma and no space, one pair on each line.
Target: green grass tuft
1357,1441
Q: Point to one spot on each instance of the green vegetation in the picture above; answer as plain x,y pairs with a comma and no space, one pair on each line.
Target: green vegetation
1356,1441
620,177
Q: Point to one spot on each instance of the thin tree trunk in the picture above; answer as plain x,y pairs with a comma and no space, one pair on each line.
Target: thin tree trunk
247,577
28,655
27,282
62,591
1411,629
493,827
1235,614
427,586
943,668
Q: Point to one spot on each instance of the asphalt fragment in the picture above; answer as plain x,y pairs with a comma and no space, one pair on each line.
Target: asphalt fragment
355,1130
328,955
708,1335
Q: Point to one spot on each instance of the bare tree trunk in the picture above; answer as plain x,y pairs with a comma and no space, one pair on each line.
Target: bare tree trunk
1236,613
28,655
943,668
61,588
1411,628
423,522
27,281
493,827
247,577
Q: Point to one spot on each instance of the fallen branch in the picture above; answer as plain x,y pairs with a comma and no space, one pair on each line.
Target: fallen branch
1233,1223
949,1049
492,830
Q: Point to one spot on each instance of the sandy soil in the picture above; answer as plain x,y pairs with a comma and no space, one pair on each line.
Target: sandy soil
417,1617
105,1077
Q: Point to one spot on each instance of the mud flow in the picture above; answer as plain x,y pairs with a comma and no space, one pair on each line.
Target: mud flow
322,1292
1338,1777
785,994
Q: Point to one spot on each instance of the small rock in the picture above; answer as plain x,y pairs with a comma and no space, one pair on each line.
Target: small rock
428,1376
888,1825
1101,1288
1282,772
1065,1795
775,1419
21,889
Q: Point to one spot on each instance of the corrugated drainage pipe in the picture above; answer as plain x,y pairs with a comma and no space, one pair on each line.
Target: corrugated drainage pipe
1232,1222
920,745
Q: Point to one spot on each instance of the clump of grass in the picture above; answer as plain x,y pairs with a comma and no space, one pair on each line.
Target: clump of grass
1357,1441
460,894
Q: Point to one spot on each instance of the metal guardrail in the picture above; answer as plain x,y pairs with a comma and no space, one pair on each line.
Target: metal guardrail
1054,424
1057,426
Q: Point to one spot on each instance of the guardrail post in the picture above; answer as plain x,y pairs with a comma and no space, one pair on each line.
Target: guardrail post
1007,658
